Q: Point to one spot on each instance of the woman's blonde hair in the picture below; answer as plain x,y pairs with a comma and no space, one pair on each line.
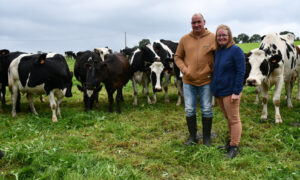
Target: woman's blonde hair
230,41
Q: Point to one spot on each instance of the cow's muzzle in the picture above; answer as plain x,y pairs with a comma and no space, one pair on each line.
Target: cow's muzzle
251,82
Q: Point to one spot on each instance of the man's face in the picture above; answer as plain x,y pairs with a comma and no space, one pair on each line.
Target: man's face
198,24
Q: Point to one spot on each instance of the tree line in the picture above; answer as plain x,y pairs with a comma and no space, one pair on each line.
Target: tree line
244,38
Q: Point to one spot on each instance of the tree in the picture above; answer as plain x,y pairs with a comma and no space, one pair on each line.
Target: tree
144,42
236,40
243,37
286,32
255,38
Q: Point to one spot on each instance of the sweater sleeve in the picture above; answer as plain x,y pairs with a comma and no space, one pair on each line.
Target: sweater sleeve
239,62
179,57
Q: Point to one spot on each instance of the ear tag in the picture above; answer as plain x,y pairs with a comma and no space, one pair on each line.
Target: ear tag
166,70
273,61
42,61
3,53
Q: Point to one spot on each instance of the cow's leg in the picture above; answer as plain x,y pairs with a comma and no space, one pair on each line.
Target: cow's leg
154,98
288,90
276,100
180,92
118,99
42,98
257,91
135,92
3,92
146,85
31,105
52,106
264,90
167,77
59,100
14,98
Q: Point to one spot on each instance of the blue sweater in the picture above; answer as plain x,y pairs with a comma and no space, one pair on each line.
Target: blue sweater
229,71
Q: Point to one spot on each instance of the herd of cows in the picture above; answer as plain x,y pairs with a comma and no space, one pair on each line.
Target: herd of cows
275,62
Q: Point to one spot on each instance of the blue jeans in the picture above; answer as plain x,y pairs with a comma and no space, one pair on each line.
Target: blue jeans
191,93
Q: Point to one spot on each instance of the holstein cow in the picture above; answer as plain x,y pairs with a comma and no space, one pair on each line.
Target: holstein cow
273,64
39,74
114,72
297,73
6,58
70,54
166,50
82,64
145,65
103,52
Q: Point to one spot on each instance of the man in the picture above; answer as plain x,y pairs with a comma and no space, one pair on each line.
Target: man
195,59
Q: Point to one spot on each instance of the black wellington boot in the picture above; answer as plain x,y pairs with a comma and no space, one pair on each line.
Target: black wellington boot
232,152
226,146
1,154
206,128
192,127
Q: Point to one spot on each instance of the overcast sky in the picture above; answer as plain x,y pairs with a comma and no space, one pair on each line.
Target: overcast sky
62,25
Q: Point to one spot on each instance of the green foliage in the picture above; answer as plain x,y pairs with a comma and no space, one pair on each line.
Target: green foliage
145,141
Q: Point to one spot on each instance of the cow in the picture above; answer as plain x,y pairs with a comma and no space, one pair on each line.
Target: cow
6,58
166,50
103,52
70,54
273,64
38,74
83,62
146,67
114,72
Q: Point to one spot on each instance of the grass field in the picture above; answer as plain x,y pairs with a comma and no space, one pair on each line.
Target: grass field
145,141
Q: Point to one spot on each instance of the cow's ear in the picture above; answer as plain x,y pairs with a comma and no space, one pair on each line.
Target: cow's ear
42,58
4,52
97,51
262,38
110,51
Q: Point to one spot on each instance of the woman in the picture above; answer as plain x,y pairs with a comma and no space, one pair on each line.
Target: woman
227,84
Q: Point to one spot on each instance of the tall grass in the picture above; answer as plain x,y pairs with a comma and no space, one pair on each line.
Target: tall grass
144,142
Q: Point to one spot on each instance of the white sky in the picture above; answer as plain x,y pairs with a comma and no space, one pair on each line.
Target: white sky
63,25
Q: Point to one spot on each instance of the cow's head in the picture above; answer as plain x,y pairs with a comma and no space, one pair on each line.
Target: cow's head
89,96
261,66
157,70
97,72
103,52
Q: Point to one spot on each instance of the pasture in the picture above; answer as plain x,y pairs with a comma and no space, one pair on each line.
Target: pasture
145,141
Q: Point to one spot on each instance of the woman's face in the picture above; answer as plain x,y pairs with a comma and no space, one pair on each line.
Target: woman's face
222,37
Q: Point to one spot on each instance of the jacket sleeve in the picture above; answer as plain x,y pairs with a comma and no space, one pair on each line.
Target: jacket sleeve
179,57
239,62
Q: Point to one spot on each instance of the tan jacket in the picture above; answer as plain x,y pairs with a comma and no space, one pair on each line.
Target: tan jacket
195,58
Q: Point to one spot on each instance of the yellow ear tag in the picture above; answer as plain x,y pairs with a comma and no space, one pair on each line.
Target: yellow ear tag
273,61
166,70
42,61
3,53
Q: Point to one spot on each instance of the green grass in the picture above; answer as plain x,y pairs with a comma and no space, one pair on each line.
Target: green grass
144,142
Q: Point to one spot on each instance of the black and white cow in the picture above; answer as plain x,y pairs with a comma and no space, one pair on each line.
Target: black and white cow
70,54
114,72
103,52
273,64
6,58
166,50
39,74
83,62
146,67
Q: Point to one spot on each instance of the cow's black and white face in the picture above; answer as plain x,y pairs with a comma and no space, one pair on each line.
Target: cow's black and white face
261,66
103,52
157,69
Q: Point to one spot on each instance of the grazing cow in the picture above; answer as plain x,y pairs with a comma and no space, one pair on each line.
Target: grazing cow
70,54
103,52
82,64
273,64
114,72
6,58
39,74
145,66
166,50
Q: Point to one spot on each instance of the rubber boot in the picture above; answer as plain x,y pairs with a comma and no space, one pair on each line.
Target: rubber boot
192,127
206,128
232,152
1,154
